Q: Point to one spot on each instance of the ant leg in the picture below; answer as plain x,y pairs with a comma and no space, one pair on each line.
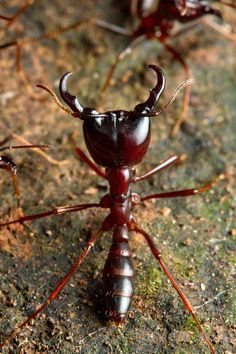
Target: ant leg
60,286
224,30
35,148
54,211
22,74
85,158
157,254
9,166
181,193
119,57
89,162
183,115
158,168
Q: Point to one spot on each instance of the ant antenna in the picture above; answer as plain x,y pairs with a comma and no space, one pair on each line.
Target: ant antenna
64,108
173,97
151,114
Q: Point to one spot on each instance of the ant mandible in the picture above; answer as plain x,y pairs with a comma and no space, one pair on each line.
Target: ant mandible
117,141
156,20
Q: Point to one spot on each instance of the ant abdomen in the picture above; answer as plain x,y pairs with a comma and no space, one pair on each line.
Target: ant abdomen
118,278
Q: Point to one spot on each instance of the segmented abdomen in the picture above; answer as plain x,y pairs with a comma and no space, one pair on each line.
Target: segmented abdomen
118,278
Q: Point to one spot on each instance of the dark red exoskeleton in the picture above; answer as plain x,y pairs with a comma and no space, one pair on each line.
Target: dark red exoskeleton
155,20
117,141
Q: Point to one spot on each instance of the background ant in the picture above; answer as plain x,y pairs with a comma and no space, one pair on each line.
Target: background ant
198,233
8,164
152,20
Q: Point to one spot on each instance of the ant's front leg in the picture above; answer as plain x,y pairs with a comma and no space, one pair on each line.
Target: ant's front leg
79,152
158,168
89,162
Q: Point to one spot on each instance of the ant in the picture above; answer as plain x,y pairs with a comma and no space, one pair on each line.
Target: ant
156,21
117,141
8,164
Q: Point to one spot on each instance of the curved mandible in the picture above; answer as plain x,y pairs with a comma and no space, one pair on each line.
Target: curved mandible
69,99
155,93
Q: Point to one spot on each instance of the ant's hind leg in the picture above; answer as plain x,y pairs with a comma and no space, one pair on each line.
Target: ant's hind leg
157,254
59,286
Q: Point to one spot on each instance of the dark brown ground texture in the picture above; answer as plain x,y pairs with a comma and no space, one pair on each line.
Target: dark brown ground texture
196,234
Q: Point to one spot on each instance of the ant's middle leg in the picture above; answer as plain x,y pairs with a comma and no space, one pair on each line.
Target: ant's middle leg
180,193
53,212
84,157
157,254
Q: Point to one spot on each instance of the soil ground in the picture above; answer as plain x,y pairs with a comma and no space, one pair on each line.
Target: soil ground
196,234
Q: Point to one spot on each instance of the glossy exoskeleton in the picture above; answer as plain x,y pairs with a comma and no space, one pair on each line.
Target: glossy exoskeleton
116,140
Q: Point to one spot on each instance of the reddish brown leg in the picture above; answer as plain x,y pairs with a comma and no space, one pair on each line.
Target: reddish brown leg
157,254
184,110
158,168
53,211
181,193
89,162
127,50
59,287
28,145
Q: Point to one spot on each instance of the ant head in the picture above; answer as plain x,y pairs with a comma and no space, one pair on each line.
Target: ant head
116,138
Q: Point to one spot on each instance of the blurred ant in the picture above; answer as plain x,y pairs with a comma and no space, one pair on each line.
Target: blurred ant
117,141
153,20
8,164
